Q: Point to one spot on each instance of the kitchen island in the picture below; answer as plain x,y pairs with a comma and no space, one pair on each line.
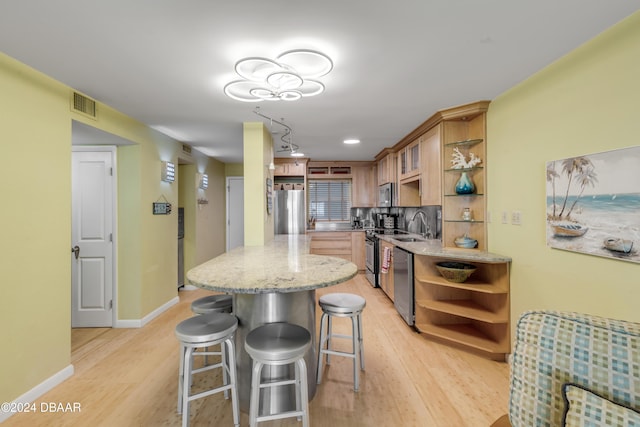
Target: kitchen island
272,283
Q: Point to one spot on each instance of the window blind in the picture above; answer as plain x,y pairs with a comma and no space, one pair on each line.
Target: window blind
329,200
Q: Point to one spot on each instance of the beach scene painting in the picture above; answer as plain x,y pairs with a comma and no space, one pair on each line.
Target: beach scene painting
593,204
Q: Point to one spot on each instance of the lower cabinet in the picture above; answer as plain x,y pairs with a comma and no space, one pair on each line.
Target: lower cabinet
473,314
386,279
342,244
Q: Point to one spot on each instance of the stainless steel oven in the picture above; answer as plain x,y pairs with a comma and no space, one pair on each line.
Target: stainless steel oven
371,258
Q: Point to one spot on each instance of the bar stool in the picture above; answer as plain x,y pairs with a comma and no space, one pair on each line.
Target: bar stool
342,305
213,304
201,332
221,303
276,344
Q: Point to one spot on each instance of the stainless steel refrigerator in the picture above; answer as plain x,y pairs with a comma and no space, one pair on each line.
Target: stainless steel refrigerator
289,212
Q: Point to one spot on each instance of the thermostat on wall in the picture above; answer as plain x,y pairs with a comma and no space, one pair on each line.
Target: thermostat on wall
161,208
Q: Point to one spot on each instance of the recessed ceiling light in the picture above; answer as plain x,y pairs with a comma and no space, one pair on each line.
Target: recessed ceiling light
297,154
352,141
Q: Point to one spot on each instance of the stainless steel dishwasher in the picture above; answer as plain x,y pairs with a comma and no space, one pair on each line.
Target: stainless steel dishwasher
403,284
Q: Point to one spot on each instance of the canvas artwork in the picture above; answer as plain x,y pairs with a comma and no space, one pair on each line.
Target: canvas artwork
593,204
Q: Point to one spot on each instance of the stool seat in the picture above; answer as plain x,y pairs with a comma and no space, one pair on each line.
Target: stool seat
275,342
342,303
207,327
213,303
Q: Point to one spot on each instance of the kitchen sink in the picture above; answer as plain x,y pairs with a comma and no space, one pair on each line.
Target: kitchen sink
408,239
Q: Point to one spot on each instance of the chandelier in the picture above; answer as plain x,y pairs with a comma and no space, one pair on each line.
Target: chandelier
291,76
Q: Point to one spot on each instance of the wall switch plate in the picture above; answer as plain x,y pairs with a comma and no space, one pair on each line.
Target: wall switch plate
516,218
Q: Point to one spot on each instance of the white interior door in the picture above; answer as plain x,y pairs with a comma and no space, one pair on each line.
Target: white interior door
92,237
235,212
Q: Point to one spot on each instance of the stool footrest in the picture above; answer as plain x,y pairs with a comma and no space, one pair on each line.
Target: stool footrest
210,392
289,414
339,353
277,383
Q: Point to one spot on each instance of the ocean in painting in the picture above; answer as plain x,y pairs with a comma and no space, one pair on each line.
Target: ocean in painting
605,216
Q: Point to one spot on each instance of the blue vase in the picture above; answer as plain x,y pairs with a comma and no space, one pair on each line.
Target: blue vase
464,184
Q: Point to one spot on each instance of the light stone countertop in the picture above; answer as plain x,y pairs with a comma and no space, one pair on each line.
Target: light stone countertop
433,247
282,265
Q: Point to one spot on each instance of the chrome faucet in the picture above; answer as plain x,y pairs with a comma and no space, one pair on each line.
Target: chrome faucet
423,217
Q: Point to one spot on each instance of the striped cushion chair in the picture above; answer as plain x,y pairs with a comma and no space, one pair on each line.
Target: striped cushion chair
575,370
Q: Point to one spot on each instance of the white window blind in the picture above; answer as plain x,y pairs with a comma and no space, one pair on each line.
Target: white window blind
329,200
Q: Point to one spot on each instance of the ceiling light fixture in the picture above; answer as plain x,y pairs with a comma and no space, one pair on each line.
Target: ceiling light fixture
289,78
351,141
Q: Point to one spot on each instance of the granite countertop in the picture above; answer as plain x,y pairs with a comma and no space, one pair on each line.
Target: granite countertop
433,247
282,265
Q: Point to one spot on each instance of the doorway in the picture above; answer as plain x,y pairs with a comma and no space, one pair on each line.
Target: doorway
93,198
235,212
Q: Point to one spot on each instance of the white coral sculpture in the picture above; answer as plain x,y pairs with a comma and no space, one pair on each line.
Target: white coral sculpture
460,162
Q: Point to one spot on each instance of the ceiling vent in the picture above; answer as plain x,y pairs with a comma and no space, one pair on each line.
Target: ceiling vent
84,105
186,149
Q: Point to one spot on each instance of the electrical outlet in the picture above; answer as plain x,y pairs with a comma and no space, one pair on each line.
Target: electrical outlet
516,218
505,218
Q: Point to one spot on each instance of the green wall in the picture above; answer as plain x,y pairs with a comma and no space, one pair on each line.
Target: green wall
587,102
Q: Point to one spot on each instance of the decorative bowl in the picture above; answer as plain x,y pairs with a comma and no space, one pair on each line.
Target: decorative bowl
457,272
465,242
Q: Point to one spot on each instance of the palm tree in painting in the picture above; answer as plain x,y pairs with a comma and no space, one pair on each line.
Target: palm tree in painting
551,177
572,167
584,177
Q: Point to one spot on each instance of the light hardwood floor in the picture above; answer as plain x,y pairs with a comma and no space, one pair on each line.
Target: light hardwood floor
128,377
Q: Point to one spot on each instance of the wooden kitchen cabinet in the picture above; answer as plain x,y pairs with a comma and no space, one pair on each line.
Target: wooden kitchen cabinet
409,160
289,168
386,167
348,245
430,170
331,243
363,188
474,314
386,279
358,256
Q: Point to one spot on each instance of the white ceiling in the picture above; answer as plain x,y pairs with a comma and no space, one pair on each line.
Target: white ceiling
165,62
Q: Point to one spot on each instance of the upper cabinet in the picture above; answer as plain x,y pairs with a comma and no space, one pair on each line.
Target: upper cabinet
363,185
409,160
430,167
386,167
286,167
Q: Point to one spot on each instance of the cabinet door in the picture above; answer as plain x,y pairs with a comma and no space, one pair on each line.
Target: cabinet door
362,189
358,256
431,176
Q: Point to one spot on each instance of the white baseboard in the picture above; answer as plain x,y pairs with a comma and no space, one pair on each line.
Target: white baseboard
40,389
139,323
189,288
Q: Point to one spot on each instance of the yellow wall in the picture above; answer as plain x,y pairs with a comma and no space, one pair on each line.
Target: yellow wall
35,189
587,102
258,154
35,257
234,169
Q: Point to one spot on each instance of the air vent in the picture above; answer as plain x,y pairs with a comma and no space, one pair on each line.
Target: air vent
186,148
83,105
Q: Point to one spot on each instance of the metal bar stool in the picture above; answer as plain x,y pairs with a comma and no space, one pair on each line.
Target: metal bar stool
213,304
342,305
221,303
201,332
276,344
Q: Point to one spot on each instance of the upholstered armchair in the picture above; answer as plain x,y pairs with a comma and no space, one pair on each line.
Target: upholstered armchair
575,370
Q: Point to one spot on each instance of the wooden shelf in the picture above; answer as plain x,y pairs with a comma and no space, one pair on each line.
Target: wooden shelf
463,308
465,334
465,143
470,285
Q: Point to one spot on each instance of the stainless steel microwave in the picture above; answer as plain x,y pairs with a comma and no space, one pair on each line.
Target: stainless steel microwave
385,195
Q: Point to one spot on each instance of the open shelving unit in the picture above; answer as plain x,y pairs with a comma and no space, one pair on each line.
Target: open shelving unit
473,314
467,133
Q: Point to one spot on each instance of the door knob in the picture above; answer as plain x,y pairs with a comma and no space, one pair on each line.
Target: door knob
76,251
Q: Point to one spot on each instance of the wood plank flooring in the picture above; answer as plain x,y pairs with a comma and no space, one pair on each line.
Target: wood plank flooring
128,377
